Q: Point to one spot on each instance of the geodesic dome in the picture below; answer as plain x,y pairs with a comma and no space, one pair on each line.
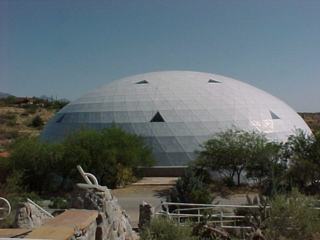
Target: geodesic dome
176,111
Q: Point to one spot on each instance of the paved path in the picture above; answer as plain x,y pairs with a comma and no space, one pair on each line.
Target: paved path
130,197
153,190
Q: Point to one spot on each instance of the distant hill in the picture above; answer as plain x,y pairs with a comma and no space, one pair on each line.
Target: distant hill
4,95
312,119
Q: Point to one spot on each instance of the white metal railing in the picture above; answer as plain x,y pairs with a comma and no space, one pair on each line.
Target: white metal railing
40,208
221,214
5,208
88,177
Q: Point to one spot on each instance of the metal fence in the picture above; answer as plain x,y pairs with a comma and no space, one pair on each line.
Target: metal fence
223,215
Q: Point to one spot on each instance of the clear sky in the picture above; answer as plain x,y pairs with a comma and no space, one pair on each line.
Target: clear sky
65,48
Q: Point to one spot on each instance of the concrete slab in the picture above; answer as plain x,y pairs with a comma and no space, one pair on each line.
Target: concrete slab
64,225
13,232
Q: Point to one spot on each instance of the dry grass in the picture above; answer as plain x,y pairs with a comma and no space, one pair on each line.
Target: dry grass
15,122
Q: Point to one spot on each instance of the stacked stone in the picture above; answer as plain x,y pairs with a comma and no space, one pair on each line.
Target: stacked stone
146,213
29,216
112,221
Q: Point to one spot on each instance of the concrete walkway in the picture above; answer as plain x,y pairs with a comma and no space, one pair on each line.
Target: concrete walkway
130,197
153,190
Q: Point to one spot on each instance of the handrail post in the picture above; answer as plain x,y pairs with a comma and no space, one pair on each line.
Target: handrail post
9,208
221,218
88,176
40,208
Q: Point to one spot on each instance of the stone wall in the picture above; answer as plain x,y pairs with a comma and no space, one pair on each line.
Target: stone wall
29,216
112,222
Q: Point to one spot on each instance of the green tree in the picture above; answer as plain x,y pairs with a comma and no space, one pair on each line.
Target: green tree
231,152
303,152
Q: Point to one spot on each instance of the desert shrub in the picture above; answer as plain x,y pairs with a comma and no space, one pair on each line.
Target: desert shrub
59,203
254,217
35,161
165,229
8,133
111,154
37,122
190,188
292,217
9,118
125,175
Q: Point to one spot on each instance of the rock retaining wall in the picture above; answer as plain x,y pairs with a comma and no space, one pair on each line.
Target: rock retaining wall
112,222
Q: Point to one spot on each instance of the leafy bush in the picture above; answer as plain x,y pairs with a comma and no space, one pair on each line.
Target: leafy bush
191,189
165,229
59,203
111,154
37,122
292,217
35,161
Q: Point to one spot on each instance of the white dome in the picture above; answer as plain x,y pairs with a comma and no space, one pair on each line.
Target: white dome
176,111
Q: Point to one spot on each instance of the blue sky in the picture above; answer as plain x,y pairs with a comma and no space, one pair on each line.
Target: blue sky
66,48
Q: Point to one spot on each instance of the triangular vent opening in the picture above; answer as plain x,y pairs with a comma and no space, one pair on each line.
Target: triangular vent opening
213,81
157,118
59,120
142,82
274,116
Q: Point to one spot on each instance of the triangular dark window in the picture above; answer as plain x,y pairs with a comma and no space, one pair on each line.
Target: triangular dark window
59,120
274,116
213,81
157,118
142,82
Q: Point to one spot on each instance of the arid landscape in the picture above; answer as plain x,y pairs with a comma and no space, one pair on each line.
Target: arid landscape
22,116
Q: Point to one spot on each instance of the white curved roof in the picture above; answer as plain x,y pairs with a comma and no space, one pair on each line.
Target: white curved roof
176,111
